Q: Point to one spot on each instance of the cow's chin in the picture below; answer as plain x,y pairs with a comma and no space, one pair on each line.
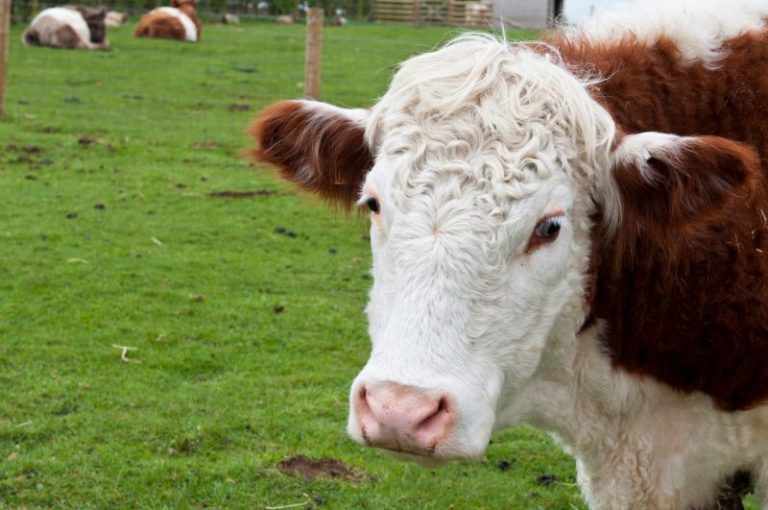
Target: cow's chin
440,455
430,461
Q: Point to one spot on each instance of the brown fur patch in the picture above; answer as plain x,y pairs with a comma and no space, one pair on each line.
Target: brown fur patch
651,89
683,283
157,24
322,152
160,25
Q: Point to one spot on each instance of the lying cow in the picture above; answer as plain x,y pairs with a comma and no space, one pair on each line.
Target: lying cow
71,26
115,19
179,21
572,235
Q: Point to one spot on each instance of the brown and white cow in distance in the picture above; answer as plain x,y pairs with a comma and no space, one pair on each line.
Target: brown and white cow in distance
71,26
179,21
115,19
572,235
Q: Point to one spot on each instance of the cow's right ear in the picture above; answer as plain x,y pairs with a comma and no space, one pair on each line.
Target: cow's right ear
320,147
674,181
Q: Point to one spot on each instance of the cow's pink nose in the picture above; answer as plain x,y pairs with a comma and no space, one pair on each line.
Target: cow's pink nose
403,418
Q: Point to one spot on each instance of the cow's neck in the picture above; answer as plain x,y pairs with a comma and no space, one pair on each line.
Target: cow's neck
629,432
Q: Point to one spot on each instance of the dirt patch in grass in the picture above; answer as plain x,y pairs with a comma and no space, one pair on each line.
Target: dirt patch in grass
309,469
87,140
239,107
27,149
229,193
206,145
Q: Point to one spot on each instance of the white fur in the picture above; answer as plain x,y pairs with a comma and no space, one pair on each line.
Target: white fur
638,444
67,17
697,26
635,150
190,30
474,144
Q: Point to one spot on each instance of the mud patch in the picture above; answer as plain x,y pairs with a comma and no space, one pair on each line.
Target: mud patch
229,193
206,145
87,140
309,469
546,479
27,149
239,107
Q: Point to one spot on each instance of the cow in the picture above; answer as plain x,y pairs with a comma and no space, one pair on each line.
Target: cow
571,234
115,19
71,26
179,21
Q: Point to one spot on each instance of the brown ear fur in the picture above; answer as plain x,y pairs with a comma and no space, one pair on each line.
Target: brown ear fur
689,181
321,150
681,190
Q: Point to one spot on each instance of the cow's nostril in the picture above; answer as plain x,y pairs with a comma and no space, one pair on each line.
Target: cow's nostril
365,417
362,404
436,424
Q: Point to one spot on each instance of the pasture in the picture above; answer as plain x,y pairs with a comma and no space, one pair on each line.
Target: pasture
129,219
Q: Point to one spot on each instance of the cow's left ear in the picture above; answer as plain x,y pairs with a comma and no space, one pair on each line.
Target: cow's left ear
320,147
678,180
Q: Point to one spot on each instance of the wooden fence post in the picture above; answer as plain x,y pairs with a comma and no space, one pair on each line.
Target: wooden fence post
313,52
5,28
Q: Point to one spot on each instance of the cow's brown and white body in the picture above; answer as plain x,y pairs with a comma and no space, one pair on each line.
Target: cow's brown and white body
572,235
179,21
71,27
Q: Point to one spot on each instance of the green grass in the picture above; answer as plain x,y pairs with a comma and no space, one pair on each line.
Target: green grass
246,338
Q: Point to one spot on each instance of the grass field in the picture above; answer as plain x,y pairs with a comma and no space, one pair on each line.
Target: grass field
245,313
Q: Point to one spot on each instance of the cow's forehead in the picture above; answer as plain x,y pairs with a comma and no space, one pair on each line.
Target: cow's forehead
502,111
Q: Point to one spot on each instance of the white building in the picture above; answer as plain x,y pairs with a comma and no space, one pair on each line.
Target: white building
577,10
540,13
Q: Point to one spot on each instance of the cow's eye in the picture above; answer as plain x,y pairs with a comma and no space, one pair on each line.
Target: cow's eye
373,205
548,228
545,232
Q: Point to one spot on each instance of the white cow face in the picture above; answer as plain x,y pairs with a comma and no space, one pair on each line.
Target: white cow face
483,162
468,287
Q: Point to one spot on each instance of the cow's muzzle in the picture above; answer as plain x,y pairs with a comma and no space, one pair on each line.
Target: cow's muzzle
403,418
